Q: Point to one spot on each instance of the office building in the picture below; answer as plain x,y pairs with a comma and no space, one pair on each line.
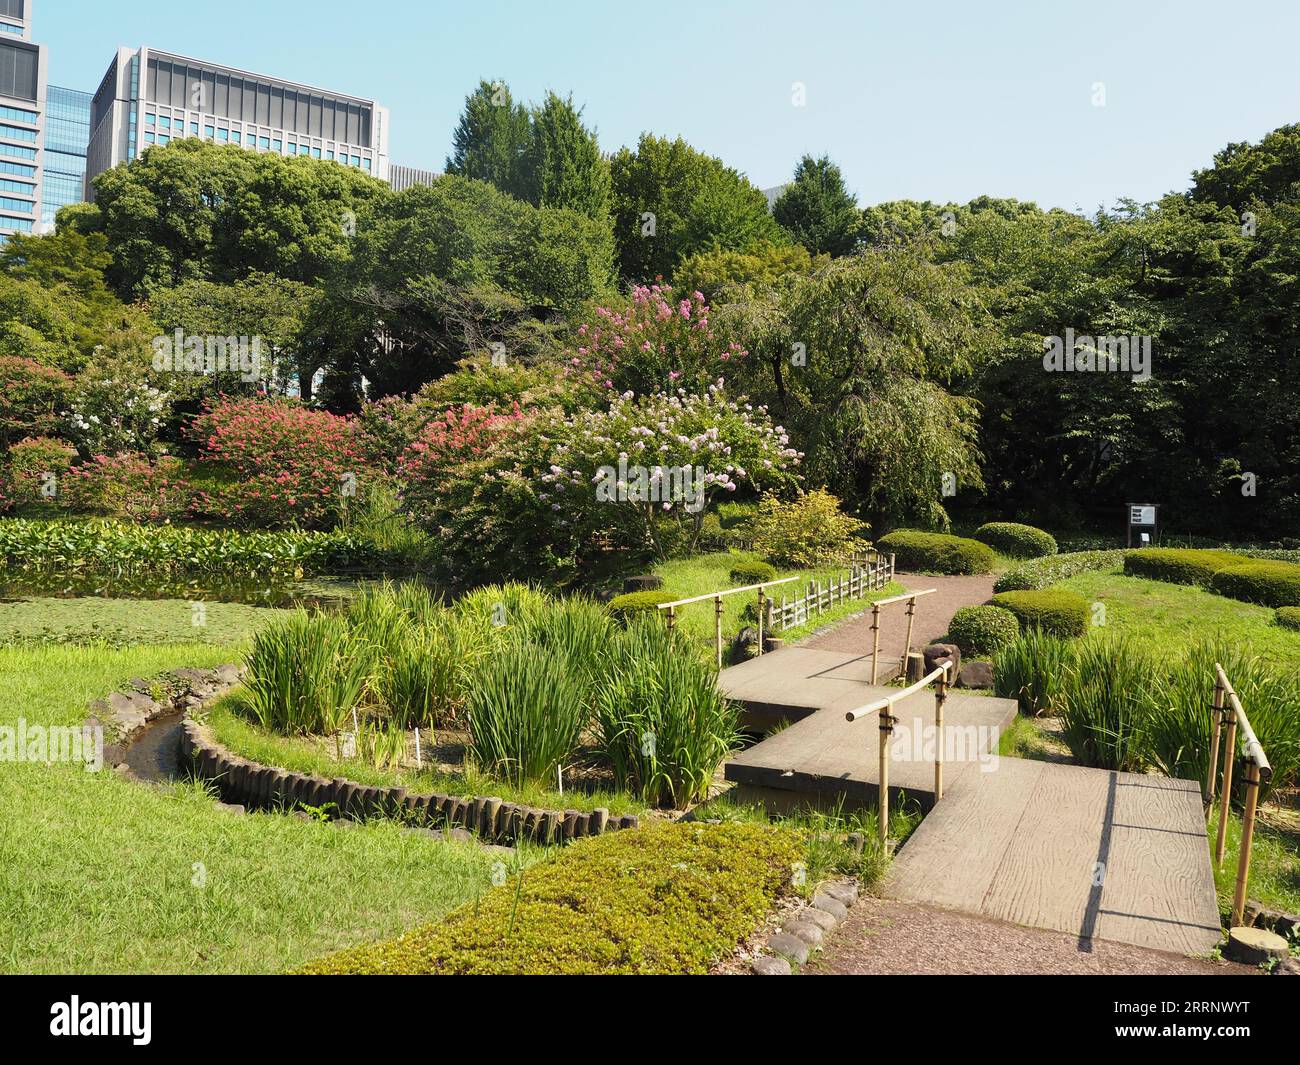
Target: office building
150,97
23,73
67,137
402,178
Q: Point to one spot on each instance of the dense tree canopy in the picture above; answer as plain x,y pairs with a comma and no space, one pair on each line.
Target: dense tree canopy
817,210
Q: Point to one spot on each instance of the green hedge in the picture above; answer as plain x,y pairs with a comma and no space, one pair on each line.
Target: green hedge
1288,617
1015,540
747,573
665,899
123,548
937,552
1044,572
1176,565
983,630
625,607
1055,611
1269,583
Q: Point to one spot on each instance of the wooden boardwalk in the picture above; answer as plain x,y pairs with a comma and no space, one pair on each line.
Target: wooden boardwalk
1098,855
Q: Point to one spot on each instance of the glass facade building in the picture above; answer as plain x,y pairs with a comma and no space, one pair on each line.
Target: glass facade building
22,120
67,137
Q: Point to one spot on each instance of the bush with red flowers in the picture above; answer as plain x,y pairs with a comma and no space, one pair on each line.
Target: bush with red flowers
32,399
33,470
128,486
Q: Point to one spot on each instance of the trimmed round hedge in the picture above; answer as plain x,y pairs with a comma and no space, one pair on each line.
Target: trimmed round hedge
1288,617
1055,611
1017,541
626,607
937,552
1269,583
983,630
746,573
1176,565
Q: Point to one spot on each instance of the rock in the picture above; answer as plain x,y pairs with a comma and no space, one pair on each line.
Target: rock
844,891
939,652
742,647
231,808
791,947
1287,967
1260,916
823,920
771,644
976,675
808,931
459,835
830,905
771,967
1254,946
227,674
857,842
649,582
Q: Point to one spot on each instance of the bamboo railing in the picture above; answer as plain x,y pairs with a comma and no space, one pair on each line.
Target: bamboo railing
670,609
941,678
910,599
1229,715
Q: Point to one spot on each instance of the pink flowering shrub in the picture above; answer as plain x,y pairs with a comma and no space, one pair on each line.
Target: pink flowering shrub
33,470
128,486
658,342
277,463
446,447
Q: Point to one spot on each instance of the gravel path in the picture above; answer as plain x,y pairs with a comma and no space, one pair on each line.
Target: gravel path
933,612
886,937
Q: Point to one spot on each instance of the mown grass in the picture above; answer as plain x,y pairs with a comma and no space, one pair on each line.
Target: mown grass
304,755
100,874
123,622
1176,615
1274,864
701,574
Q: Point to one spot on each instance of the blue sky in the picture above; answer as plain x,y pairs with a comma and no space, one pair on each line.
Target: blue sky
940,100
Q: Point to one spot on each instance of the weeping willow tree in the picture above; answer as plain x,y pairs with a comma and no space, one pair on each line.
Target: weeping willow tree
878,340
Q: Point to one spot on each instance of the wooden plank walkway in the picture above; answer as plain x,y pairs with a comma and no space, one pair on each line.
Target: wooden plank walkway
1098,855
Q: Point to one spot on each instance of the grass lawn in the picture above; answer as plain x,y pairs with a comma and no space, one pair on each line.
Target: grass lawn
1177,615
101,874
701,574
304,755
123,622
1274,861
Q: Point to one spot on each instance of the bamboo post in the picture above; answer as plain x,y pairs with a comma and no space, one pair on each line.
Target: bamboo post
1225,786
940,697
886,732
911,616
672,618
1214,748
875,640
717,626
1247,839
762,610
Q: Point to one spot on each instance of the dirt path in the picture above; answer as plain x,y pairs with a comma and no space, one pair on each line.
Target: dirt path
886,937
933,612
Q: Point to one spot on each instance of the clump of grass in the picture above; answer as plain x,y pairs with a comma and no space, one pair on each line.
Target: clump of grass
1110,692
1030,670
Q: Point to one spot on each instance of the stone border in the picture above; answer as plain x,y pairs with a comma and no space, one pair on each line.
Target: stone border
241,782
806,930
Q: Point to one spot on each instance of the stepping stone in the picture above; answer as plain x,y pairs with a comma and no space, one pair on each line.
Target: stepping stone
830,905
771,967
791,947
1254,946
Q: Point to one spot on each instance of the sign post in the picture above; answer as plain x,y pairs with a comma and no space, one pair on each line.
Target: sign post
1144,524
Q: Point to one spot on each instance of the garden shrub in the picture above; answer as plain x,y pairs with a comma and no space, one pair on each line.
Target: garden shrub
293,466
1179,565
937,552
664,727
744,574
1056,611
1044,572
32,399
128,486
114,407
25,479
1288,617
1268,583
807,532
634,604
1015,540
664,899
982,630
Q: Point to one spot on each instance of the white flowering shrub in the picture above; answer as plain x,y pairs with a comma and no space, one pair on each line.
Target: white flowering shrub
112,410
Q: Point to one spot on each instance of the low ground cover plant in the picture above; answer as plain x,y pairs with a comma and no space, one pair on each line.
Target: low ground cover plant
1054,610
983,630
1015,540
937,552
1275,584
1041,573
664,899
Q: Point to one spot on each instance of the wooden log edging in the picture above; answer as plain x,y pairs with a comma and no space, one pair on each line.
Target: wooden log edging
244,783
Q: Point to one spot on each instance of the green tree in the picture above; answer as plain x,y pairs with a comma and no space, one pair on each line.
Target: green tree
817,210
671,201
562,166
491,139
